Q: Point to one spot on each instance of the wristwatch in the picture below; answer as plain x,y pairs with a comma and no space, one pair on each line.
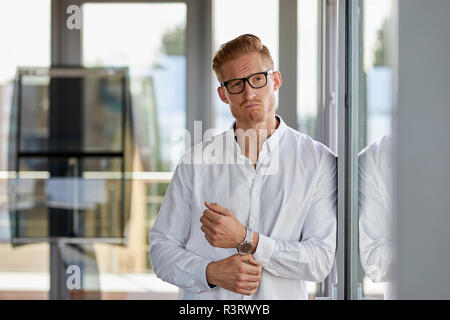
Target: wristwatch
246,246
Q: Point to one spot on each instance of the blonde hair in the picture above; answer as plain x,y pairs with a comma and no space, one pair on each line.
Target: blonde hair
246,43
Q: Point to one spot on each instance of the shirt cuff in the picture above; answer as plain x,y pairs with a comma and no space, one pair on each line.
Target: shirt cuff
264,251
206,286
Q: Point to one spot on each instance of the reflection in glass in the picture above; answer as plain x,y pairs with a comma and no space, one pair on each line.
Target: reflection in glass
378,63
376,214
25,27
308,73
142,38
88,206
149,39
71,121
376,176
46,101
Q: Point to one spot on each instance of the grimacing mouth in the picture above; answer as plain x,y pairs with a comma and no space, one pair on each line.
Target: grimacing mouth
251,103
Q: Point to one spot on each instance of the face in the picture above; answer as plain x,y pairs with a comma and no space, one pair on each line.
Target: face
252,106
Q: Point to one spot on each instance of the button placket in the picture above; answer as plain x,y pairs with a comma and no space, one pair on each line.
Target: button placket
264,159
253,221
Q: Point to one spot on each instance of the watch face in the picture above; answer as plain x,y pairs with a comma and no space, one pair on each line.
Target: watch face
245,247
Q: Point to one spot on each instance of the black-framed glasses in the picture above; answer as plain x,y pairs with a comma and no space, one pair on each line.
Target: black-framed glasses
256,81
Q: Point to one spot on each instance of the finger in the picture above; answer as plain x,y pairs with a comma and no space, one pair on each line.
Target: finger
248,289
252,270
249,259
212,216
254,264
217,208
207,231
206,222
248,285
251,278
208,238
246,292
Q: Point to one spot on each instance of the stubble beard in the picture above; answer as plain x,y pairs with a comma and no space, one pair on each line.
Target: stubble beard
260,113
256,115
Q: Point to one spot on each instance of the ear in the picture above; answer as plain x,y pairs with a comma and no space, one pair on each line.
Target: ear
277,80
222,94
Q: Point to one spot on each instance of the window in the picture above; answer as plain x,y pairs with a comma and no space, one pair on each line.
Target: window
141,37
22,270
309,67
372,82
154,49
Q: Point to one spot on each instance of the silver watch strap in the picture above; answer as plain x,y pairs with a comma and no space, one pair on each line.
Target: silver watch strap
249,235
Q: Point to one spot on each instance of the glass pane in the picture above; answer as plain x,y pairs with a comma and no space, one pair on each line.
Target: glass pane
309,60
157,65
243,21
309,66
54,200
149,39
25,30
376,215
98,127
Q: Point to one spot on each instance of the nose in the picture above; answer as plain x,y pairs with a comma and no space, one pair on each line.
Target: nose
249,92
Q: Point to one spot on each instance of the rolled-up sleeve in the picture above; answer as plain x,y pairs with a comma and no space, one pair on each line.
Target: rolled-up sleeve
310,257
170,260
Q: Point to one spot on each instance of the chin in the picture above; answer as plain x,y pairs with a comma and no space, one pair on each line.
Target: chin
256,114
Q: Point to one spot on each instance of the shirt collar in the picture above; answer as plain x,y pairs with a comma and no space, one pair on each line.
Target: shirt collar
275,137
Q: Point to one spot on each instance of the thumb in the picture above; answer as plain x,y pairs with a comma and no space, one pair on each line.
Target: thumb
249,258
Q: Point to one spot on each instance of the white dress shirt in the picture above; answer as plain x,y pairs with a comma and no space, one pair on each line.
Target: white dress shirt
376,216
289,199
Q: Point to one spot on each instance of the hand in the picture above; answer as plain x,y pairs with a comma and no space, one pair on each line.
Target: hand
222,229
238,273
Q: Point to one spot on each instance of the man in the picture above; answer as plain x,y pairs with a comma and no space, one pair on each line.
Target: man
261,220
376,214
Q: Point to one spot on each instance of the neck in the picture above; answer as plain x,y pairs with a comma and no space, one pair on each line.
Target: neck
251,136
269,124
